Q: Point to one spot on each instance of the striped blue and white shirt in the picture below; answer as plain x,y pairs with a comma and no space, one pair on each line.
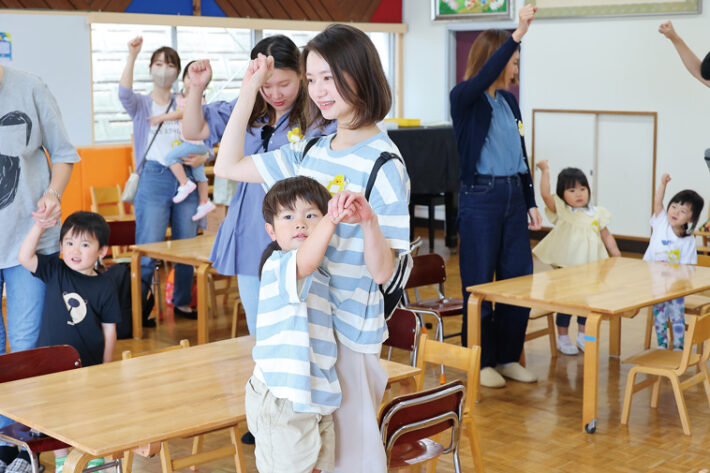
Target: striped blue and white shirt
359,309
295,348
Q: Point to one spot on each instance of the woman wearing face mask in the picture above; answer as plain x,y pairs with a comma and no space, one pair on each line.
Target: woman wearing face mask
154,206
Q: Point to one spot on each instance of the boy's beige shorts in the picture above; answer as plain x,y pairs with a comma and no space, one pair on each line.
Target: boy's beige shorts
287,441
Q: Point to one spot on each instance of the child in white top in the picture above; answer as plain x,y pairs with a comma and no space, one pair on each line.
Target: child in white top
672,241
580,235
182,149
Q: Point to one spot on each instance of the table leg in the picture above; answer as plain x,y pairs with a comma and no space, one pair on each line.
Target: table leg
238,454
136,295
76,461
615,336
203,335
591,373
473,333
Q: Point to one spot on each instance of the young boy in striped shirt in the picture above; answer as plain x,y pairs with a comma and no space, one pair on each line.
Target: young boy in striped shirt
294,388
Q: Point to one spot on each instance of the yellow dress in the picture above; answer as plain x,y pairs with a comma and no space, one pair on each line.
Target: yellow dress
576,237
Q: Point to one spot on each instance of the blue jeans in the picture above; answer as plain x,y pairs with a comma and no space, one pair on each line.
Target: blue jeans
493,230
249,294
184,150
154,210
25,302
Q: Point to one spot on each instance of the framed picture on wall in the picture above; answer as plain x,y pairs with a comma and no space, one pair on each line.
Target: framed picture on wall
586,8
471,10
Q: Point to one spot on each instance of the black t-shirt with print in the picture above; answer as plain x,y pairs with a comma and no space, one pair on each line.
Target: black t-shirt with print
75,306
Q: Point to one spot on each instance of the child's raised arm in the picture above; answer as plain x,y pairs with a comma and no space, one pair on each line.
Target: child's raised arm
379,256
109,331
27,256
690,60
660,193
311,252
544,167
231,162
610,242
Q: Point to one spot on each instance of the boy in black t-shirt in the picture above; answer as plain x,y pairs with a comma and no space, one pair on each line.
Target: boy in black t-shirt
81,306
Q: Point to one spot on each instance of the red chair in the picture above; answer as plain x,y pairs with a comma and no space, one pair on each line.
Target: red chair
27,364
407,422
430,270
404,329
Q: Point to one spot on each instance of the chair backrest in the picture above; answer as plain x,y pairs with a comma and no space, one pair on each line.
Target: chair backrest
127,354
37,362
698,332
107,201
704,260
423,414
428,269
123,232
404,329
453,356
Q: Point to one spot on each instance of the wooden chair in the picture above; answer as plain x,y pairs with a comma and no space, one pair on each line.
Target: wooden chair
672,365
464,359
106,201
694,305
407,422
430,270
27,364
548,331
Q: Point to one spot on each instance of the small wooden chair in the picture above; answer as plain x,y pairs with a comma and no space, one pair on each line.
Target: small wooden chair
27,364
107,201
464,359
430,270
548,331
407,422
672,365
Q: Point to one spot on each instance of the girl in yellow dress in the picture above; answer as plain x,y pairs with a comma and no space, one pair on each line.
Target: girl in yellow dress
580,235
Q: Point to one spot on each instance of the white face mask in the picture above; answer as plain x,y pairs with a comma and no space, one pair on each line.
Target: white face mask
163,76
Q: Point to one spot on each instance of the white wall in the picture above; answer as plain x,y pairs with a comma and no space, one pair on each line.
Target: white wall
56,48
601,64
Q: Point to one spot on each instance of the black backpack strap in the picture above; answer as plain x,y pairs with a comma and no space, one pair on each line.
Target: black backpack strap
384,157
311,143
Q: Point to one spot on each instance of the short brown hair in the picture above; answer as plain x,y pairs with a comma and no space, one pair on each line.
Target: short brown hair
482,49
284,194
357,71
171,56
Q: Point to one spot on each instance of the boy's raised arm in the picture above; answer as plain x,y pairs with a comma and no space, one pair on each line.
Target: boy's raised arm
27,256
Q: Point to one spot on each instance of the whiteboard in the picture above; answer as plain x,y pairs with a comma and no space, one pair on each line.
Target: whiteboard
56,48
615,152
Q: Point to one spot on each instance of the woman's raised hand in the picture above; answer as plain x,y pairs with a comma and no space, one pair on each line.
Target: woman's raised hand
667,30
258,71
135,45
525,16
200,73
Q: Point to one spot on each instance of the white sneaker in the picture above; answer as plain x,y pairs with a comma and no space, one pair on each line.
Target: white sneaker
490,378
580,342
203,209
565,345
184,191
516,372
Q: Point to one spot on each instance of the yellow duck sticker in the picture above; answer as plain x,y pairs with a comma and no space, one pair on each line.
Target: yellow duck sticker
175,143
294,135
595,226
336,185
673,256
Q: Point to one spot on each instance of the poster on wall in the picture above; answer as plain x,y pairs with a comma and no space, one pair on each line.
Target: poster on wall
471,10
5,46
584,8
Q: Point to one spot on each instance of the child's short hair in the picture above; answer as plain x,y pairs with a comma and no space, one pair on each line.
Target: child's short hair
357,71
569,178
284,194
89,223
696,202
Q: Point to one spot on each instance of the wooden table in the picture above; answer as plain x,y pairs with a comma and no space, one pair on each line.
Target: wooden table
104,410
609,289
192,251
